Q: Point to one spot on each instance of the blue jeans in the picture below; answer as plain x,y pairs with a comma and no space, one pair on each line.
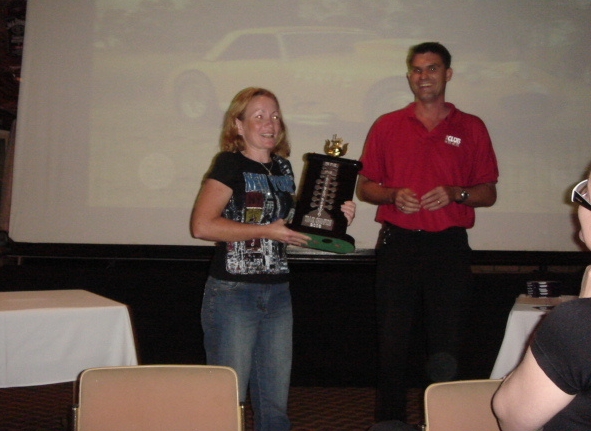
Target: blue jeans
248,327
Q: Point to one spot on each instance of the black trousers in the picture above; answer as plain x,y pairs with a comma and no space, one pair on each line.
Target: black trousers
423,278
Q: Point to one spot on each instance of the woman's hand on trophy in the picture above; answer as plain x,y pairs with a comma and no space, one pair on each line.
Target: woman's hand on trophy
280,232
348,208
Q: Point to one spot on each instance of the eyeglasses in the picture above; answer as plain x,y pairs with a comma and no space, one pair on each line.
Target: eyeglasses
580,194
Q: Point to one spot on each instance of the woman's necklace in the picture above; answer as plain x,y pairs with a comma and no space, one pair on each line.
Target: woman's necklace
268,169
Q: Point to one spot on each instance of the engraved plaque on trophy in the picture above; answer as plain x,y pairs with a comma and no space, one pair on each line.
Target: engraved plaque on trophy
328,182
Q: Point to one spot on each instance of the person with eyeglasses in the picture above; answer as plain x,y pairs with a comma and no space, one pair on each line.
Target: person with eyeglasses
551,387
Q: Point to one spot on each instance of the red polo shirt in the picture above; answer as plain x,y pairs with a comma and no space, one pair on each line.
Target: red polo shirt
401,152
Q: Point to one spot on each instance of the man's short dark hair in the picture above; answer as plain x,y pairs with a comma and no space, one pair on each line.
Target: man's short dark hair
423,48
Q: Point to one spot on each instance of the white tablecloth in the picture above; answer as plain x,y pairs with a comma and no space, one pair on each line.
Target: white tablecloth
525,315
51,336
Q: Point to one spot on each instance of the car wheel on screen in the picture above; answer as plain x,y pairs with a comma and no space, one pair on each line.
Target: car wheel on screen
386,97
194,97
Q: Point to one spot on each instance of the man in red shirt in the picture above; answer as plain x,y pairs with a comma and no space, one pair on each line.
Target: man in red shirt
426,166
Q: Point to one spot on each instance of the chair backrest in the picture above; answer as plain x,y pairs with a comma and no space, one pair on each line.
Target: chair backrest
586,284
464,405
158,397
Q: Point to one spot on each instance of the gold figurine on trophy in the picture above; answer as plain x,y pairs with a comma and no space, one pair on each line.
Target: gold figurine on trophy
335,147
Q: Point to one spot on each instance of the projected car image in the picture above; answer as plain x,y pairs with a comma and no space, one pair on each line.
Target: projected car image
323,75
316,73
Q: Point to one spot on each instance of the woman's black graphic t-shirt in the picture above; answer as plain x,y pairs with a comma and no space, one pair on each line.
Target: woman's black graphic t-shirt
257,198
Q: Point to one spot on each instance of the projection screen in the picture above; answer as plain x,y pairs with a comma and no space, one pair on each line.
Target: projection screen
121,104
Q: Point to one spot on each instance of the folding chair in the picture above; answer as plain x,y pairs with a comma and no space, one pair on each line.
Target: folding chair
464,405
158,398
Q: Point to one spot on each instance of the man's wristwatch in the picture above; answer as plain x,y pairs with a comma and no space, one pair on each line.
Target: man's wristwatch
463,197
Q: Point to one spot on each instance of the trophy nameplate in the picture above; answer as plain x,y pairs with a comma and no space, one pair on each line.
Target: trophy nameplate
328,182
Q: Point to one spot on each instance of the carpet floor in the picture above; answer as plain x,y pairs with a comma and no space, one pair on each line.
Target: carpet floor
47,408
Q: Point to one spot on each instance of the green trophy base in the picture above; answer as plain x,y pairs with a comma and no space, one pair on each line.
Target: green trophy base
328,243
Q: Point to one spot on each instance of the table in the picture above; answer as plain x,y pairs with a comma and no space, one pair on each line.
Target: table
526,314
51,336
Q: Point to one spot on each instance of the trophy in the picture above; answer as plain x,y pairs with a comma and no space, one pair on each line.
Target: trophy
328,182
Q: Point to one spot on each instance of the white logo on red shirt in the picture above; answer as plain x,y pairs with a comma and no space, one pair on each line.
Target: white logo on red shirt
452,140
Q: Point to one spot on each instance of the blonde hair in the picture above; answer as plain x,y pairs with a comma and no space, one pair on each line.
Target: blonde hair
231,141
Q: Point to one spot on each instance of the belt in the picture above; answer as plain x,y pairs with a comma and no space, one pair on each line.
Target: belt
389,226
392,227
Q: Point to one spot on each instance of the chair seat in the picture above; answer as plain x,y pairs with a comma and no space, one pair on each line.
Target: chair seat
464,405
158,397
